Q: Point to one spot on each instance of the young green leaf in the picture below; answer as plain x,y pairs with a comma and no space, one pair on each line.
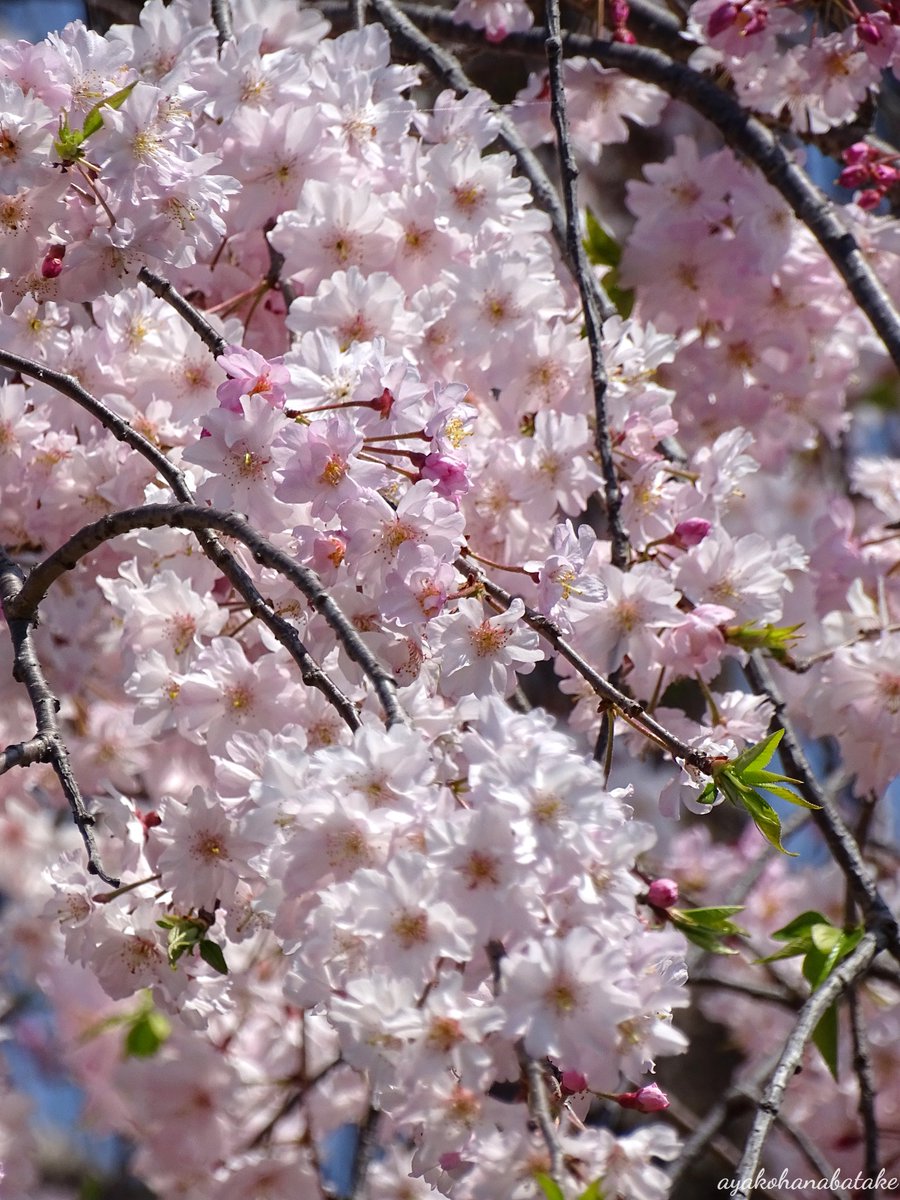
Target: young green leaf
766,820
147,1033
212,955
549,1187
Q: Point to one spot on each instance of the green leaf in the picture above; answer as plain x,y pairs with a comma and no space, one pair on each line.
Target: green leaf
602,249
148,1031
825,1039
706,927
757,756
94,120
549,1187
592,1191
800,925
212,955
779,640
708,795
766,820
707,918
708,940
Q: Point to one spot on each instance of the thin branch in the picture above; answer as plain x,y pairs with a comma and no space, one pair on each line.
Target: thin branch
580,268
539,1108
25,754
852,968
746,989
165,291
221,17
828,820
362,1153
27,671
285,633
632,709
199,518
741,131
862,1066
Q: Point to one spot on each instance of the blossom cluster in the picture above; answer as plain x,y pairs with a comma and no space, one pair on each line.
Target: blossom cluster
435,930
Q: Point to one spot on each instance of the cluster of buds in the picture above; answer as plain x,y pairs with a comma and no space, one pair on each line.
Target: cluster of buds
867,169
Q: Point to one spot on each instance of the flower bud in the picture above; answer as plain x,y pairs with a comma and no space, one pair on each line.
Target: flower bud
859,152
867,31
573,1081
646,1099
690,532
854,176
870,198
662,893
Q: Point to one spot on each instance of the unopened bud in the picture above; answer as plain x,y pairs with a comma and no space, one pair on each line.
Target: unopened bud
573,1081
662,893
690,532
646,1099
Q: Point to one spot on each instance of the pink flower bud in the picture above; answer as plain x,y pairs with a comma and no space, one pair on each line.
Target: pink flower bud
867,31
884,174
448,474
646,1099
662,893
690,532
720,19
52,265
573,1081
859,152
870,198
619,12
625,37
854,176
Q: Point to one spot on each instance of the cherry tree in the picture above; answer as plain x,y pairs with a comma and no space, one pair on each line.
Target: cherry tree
442,601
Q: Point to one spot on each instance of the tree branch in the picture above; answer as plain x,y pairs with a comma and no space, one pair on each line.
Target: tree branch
828,820
581,270
853,967
221,17
630,708
198,518
310,671
862,1066
165,291
27,671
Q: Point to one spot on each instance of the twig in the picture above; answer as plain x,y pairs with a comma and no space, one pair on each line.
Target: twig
27,671
862,1066
362,1153
165,291
838,837
539,1108
631,709
746,989
221,18
581,270
25,754
740,130
310,671
852,968
198,518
